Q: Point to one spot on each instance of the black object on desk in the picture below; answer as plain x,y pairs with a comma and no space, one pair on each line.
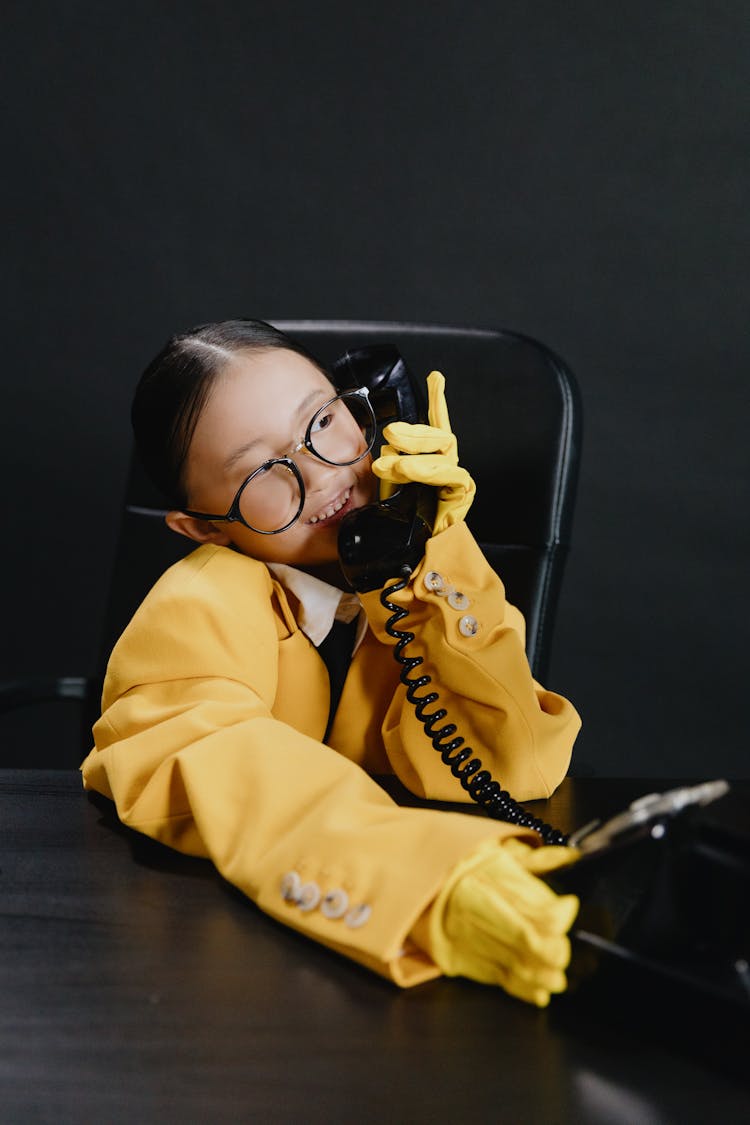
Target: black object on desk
136,985
663,933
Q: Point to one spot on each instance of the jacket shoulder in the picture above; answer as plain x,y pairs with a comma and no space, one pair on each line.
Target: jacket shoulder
213,613
208,568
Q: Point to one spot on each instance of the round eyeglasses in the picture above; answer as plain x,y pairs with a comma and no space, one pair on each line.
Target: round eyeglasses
271,498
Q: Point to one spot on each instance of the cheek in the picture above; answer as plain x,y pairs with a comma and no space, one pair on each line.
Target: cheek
299,545
367,482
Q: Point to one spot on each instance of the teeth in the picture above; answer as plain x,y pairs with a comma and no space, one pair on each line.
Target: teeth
332,508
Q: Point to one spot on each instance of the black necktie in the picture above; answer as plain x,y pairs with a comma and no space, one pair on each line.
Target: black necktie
336,650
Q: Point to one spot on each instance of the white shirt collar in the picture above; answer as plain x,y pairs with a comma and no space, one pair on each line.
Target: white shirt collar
320,604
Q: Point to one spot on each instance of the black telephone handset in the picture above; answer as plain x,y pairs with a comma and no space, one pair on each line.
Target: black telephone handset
386,541
376,541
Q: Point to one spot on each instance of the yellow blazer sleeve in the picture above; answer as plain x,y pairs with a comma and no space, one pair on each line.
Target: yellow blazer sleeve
190,751
472,644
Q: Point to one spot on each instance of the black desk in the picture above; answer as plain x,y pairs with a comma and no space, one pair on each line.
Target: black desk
137,986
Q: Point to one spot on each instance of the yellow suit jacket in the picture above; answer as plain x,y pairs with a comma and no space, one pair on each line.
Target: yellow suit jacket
214,707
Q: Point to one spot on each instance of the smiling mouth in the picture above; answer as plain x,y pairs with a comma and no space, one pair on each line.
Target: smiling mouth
335,508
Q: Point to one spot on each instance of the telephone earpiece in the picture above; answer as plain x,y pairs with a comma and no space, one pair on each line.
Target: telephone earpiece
394,392
377,540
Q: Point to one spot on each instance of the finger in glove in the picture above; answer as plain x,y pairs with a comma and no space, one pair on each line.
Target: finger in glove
428,468
437,407
416,438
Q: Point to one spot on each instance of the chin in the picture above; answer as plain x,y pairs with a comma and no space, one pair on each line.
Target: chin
326,548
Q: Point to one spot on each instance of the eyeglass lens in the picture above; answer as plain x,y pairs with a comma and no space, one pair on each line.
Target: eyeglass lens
340,433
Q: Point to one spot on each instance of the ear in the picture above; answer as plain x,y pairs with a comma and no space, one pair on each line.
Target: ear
201,531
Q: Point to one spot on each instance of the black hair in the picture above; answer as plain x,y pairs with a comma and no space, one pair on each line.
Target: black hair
173,390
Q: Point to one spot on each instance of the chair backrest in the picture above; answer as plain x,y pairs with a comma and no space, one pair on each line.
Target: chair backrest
515,408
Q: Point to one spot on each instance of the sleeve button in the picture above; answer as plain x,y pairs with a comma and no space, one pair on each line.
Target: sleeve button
358,915
291,885
309,896
335,904
457,600
468,626
435,583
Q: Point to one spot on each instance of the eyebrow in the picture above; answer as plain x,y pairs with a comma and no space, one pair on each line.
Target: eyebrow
241,450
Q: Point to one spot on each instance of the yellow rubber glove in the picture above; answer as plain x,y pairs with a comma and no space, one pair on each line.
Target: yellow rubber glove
427,455
495,922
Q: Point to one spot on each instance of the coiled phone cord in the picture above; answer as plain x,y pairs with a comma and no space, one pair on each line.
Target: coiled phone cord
476,780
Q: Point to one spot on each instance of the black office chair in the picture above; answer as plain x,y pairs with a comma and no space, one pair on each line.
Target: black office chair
515,408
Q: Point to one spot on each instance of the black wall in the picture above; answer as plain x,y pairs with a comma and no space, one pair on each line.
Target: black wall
571,171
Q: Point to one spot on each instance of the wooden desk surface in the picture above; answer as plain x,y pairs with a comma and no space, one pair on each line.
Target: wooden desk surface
138,986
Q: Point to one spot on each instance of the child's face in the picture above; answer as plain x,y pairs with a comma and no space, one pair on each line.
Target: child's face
259,408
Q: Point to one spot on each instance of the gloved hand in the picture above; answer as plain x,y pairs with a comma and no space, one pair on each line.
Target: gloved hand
495,922
427,455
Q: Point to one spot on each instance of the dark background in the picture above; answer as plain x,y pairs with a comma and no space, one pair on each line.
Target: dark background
570,171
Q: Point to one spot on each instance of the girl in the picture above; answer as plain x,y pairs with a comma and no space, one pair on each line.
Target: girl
219,733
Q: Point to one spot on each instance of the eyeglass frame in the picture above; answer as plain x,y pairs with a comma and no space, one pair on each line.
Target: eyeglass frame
233,515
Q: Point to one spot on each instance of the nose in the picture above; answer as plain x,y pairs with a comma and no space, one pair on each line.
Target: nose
300,447
313,470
